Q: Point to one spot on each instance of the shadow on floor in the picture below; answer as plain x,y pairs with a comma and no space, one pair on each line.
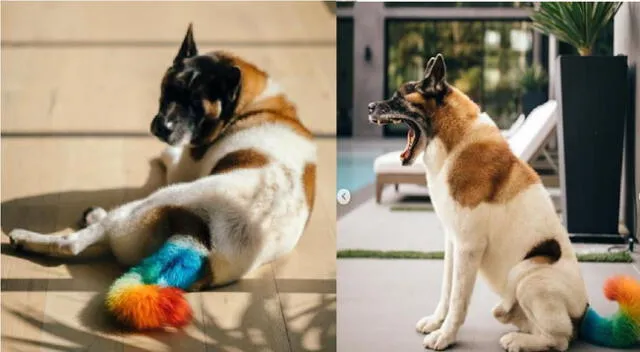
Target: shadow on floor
55,212
260,327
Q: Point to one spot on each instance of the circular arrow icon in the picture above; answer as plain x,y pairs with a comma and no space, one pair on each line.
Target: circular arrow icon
344,196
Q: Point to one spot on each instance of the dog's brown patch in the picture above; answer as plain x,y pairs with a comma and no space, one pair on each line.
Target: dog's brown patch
169,220
274,110
272,117
548,251
278,103
240,159
487,171
211,108
418,99
309,183
253,80
541,260
453,117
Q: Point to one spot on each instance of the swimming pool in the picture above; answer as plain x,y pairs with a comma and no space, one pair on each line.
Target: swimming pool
355,170
355,160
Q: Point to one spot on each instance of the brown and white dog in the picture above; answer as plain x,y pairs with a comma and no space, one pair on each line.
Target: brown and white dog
240,169
498,219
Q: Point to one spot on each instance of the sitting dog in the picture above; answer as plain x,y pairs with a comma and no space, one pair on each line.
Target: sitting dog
498,219
240,170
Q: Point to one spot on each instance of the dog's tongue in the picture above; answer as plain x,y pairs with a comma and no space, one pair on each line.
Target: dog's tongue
406,153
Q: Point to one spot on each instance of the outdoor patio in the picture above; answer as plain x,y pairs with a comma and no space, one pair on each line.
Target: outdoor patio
496,57
381,301
403,291
80,84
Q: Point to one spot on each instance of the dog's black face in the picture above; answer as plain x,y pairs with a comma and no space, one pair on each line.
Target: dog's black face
414,104
198,96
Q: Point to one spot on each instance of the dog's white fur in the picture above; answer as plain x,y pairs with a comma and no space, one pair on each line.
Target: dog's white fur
255,215
493,239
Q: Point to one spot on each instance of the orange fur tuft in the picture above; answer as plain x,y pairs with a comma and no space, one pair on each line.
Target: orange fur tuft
150,307
626,291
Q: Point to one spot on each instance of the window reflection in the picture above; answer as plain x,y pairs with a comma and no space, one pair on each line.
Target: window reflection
484,59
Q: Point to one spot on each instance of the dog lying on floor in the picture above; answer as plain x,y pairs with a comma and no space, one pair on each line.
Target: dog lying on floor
240,169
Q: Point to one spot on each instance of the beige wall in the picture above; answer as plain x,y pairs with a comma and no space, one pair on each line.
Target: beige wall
627,42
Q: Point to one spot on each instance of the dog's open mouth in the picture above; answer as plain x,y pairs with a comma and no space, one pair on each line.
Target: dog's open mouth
413,136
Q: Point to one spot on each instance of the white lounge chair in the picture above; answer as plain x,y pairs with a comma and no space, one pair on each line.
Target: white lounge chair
526,138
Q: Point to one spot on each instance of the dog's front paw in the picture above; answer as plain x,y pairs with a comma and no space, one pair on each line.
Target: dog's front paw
439,340
429,324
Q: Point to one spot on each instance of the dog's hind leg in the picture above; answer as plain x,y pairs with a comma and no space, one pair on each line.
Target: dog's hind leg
61,245
523,342
93,215
508,311
548,317
515,316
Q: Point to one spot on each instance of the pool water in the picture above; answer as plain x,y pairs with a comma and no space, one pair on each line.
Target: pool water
355,170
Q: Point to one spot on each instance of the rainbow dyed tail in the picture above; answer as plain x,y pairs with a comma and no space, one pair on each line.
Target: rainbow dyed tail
150,295
621,330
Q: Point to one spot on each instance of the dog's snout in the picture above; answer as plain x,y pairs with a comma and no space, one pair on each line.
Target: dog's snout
372,107
159,128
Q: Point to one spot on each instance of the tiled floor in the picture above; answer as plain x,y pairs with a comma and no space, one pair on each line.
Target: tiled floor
80,83
380,301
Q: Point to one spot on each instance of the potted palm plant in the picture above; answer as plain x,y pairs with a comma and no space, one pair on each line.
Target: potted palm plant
533,84
592,97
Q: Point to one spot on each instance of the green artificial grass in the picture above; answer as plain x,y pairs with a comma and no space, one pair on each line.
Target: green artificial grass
366,253
606,257
428,207
616,257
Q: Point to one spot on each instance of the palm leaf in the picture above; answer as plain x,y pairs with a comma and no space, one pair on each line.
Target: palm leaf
577,23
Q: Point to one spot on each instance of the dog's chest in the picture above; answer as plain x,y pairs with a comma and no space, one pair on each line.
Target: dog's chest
437,164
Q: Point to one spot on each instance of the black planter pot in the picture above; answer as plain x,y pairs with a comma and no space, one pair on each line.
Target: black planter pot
592,96
530,100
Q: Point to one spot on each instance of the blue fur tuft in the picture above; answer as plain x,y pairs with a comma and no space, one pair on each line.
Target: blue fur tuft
177,263
183,271
618,331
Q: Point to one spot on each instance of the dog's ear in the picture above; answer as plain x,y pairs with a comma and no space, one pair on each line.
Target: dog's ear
429,65
438,70
435,75
188,47
232,82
